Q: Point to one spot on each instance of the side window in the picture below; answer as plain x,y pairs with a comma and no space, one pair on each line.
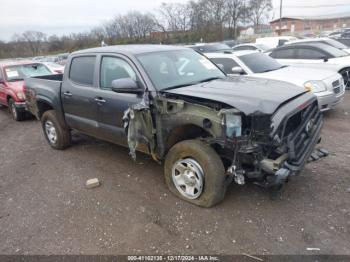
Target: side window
306,53
113,68
225,63
82,70
283,54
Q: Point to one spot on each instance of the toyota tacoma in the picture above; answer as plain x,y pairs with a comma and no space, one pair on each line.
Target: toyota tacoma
177,106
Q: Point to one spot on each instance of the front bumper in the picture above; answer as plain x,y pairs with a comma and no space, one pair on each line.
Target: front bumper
329,100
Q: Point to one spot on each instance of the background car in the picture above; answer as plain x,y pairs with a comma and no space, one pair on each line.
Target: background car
211,47
251,46
12,74
327,85
54,67
274,41
315,55
324,40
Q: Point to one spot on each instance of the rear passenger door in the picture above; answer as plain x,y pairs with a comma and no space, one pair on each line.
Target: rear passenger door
310,55
79,93
113,105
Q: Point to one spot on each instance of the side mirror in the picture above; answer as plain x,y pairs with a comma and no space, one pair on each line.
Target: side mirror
237,70
325,58
126,85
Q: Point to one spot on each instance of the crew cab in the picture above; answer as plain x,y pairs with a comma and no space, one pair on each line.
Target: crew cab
327,85
176,105
12,74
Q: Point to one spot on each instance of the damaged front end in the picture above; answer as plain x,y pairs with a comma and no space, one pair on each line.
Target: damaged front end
278,146
265,148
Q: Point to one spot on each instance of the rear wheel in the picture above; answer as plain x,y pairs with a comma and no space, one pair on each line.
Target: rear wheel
57,136
346,76
16,114
194,172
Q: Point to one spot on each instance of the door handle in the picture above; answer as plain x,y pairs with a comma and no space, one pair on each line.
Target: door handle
99,100
67,93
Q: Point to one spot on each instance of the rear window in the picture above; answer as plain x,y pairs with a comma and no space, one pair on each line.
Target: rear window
82,70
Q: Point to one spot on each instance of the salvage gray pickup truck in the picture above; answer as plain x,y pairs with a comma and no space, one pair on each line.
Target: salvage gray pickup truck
177,106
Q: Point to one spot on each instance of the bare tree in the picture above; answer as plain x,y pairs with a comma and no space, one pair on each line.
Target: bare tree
236,10
259,10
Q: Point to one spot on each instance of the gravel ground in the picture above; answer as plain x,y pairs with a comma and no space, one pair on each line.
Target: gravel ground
46,209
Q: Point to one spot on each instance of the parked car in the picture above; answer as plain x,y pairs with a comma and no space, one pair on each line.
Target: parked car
211,47
274,41
62,58
327,85
207,128
12,74
51,59
231,43
317,55
324,40
54,67
251,46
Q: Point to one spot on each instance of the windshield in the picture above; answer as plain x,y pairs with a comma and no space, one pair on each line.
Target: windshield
19,72
260,63
178,68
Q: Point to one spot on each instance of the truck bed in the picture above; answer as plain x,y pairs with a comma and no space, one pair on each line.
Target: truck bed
44,88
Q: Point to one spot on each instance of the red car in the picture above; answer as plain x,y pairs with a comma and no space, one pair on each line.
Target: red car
12,74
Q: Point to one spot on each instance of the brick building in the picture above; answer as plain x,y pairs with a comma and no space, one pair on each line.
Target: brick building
295,25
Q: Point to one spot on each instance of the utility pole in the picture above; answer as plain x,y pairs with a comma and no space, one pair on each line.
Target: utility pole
280,31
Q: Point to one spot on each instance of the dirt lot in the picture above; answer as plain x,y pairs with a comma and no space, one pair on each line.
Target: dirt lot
46,209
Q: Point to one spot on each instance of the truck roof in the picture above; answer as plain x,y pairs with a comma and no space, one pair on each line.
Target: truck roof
9,62
131,49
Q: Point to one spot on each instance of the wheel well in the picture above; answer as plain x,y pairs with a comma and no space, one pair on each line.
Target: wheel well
43,107
184,132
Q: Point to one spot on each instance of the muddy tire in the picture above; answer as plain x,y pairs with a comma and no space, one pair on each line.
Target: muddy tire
194,172
16,114
57,136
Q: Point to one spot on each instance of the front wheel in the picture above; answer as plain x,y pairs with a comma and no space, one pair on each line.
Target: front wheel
194,172
57,136
16,114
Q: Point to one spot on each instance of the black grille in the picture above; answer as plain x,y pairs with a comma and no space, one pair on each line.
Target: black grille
336,86
299,131
336,83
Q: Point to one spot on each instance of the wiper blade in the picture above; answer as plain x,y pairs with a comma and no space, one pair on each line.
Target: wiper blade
176,86
190,84
209,79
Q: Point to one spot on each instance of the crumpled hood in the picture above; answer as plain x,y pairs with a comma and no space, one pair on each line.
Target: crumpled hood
16,86
297,75
247,94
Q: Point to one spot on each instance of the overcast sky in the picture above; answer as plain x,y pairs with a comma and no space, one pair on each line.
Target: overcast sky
65,16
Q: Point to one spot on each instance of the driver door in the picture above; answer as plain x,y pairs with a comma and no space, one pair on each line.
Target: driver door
113,105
